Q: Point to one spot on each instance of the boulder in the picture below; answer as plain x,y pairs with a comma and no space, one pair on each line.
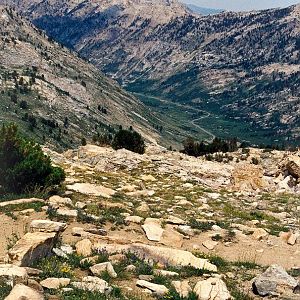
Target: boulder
275,280
92,189
175,221
13,274
47,226
153,230
162,255
102,267
212,289
182,288
84,247
23,292
57,201
157,289
293,166
92,284
64,212
31,247
165,273
259,234
55,283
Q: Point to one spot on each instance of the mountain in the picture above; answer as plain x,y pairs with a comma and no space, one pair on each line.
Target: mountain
57,97
204,10
231,74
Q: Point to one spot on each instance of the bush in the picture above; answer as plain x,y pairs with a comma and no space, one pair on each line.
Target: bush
23,165
129,140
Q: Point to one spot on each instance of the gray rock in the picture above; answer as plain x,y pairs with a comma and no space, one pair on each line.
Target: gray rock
157,289
275,280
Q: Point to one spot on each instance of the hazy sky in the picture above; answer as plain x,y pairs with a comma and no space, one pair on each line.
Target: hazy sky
239,5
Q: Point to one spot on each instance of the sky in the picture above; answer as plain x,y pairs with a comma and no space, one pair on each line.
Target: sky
242,5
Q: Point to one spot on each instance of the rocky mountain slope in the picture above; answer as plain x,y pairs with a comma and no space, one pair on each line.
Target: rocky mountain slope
157,226
54,95
242,68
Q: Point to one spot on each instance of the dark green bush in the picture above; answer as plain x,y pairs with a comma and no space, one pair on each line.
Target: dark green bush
129,140
23,165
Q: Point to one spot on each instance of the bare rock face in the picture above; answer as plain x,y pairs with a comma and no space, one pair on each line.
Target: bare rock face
274,281
212,289
23,292
32,246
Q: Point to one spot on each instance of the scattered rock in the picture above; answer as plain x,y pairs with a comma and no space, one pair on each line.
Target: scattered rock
57,202
134,219
211,289
31,247
275,280
175,221
47,226
259,234
182,288
92,284
102,267
84,247
209,244
23,292
55,283
165,273
92,189
72,213
153,229
13,274
157,289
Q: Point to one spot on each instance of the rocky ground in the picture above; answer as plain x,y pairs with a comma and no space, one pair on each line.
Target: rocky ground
157,226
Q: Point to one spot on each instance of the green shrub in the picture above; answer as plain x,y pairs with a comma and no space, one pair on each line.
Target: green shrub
23,165
129,140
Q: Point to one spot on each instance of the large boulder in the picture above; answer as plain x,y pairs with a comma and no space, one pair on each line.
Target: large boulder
293,166
23,292
31,247
275,280
212,289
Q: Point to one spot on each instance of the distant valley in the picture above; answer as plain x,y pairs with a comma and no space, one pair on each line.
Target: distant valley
240,70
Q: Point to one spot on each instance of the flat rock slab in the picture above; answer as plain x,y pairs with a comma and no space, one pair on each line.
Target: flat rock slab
55,283
93,284
20,201
92,189
47,226
153,230
157,289
23,292
104,267
30,247
163,255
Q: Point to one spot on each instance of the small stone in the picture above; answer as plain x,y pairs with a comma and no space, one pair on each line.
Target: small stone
157,289
209,244
106,266
84,247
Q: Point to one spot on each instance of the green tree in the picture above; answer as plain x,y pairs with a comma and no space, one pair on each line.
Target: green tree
130,140
23,165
